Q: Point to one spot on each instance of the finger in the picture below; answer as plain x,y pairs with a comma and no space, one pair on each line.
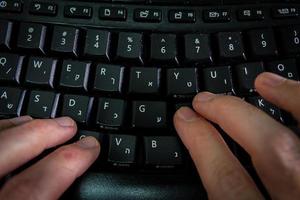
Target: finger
274,149
20,144
280,91
51,176
8,123
221,173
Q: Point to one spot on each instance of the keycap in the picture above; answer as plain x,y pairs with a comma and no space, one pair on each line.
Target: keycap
143,80
262,43
216,15
32,36
11,6
182,16
108,78
129,1
182,82
5,34
286,68
97,44
11,101
290,39
285,12
163,151
231,46
246,74
77,107
42,104
167,2
122,150
41,71
149,114
74,74
74,11
10,67
197,48
251,14
218,80
113,13
163,48
65,40
205,2
111,113
43,8
130,47
147,15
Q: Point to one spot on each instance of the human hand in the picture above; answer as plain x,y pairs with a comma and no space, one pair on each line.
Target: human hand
274,148
22,139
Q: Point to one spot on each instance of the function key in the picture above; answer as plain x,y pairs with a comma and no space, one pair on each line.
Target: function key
43,8
290,38
78,11
216,15
253,14
11,6
147,15
182,16
5,34
113,13
285,12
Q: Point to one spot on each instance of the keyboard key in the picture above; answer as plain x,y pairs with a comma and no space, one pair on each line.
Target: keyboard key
5,34
74,74
182,82
11,101
246,75
147,15
177,2
41,71
109,78
77,107
163,151
290,39
43,8
130,47
182,16
286,68
285,12
164,48
97,44
113,13
122,150
149,114
262,43
11,6
42,104
144,80
10,67
110,113
216,15
197,48
218,80
252,14
65,40
231,46
32,36
74,11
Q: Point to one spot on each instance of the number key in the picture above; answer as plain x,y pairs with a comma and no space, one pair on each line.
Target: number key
290,37
197,48
231,46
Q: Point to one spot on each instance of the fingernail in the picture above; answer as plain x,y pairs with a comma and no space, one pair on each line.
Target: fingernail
65,121
88,142
187,114
204,96
21,120
272,80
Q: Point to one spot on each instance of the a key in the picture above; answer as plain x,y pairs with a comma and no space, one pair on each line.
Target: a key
110,113
41,71
231,46
262,43
77,107
43,8
122,150
42,104
113,13
286,68
97,44
130,47
149,114
290,39
246,74
182,81
144,80
10,67
74,74
218,80
5,34
109,78
65,40
32,36
197,48
163,151
11,101
164,48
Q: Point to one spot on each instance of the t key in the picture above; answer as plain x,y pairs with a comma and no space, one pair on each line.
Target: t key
10,67
11,100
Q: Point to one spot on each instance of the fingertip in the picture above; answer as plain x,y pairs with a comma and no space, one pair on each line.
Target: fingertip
186,114
268,80
89,143
65,121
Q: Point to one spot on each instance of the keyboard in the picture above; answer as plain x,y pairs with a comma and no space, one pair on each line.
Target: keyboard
121,69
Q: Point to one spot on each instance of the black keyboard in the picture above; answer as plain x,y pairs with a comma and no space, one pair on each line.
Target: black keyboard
121,68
